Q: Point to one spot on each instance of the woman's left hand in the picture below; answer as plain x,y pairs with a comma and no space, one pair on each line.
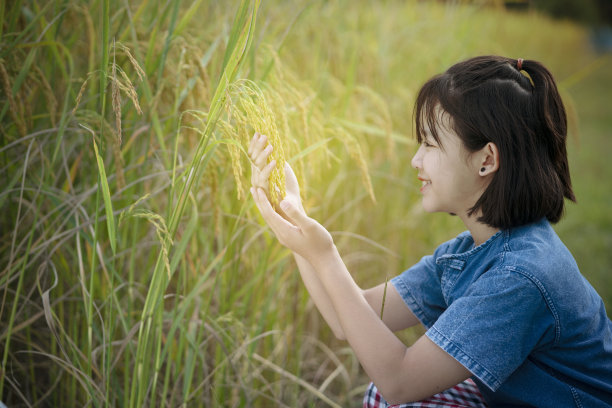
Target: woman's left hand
298,232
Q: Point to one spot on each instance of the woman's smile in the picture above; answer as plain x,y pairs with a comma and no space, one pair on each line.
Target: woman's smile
426,183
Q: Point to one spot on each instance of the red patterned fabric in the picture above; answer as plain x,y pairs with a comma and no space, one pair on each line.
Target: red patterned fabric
463,395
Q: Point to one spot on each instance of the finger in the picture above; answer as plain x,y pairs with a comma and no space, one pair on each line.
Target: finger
258,146
278,224
296,216
261,178
291,182
264,175
251,145
262,158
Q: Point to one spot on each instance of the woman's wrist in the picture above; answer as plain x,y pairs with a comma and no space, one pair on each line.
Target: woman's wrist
324,258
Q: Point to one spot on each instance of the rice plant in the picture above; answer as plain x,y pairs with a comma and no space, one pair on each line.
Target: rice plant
135,271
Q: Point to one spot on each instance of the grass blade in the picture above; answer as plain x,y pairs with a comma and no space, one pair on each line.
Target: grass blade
108,204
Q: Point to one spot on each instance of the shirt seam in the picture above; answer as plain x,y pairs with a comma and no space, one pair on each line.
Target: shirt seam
466,254
547,298
477,369
410,301
576,396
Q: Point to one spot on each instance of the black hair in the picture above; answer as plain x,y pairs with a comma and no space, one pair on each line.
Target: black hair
489,99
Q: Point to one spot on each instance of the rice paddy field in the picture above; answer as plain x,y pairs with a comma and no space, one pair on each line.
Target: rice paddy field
134,269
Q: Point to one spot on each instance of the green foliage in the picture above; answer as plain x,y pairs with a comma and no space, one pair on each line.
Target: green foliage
133,274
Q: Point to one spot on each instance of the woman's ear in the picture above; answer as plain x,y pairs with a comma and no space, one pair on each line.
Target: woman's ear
488,159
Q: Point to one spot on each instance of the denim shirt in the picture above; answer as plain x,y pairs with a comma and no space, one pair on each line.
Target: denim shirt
517,313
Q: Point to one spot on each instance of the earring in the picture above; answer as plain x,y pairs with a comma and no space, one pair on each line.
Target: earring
482,169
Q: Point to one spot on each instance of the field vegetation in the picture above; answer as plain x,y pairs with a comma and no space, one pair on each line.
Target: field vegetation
134,269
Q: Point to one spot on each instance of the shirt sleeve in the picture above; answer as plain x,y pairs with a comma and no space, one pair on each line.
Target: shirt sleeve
493,328
420,289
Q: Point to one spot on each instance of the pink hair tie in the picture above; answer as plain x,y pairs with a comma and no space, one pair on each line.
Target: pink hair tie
519,64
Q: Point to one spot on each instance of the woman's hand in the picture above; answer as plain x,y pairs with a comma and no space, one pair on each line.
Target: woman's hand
259,150
293,228
298,232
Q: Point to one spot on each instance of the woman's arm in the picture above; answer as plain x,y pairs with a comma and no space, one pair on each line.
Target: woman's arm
396,315
319,295
401,373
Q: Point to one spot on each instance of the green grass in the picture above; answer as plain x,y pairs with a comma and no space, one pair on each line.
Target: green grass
134,274
587,226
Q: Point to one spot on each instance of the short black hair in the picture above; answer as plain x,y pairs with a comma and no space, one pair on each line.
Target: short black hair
490,100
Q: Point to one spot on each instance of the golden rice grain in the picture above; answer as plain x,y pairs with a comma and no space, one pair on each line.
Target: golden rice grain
263,120
139,71
354,150
116,102
234,152
81,92
127,87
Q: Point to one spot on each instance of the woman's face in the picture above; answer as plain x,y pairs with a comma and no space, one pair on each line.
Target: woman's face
450,175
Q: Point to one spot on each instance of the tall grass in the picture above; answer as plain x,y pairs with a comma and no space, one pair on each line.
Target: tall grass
135,272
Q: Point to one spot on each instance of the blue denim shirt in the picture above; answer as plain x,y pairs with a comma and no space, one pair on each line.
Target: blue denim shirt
518,314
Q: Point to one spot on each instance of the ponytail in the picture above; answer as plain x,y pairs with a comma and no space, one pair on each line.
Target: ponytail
552,115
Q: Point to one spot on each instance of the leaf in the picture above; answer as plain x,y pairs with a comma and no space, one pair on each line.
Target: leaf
108,205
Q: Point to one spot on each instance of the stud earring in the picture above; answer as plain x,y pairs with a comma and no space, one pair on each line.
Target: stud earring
482,169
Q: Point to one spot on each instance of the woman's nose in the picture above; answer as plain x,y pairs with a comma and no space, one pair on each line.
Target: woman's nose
417,158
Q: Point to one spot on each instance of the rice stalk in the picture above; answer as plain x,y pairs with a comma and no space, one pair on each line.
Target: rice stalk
116,141
234,152
13,312
128,88
354,150
79,96
137,68
252,276
116,101
161,230
14,110
49,95
383,116
240,39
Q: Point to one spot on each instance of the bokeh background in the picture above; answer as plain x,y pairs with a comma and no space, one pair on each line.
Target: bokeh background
134,271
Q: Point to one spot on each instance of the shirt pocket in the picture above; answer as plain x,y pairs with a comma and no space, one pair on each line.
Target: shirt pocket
450,275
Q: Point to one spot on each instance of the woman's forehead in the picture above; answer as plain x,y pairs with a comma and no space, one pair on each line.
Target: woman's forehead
436,121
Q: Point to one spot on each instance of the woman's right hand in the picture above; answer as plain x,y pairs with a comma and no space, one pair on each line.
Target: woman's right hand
259,150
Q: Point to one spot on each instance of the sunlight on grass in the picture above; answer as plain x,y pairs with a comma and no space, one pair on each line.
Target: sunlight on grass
137,272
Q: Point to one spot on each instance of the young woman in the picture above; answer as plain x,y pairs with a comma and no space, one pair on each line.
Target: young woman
510,320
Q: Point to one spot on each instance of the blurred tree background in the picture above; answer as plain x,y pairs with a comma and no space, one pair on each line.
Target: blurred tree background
591,12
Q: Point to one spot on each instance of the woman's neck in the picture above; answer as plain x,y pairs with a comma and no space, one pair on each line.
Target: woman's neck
480,232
